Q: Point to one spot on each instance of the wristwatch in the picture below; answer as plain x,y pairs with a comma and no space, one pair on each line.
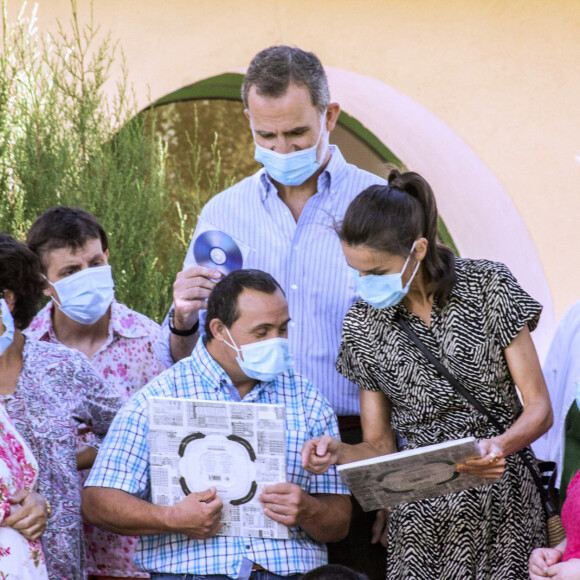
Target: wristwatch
178,332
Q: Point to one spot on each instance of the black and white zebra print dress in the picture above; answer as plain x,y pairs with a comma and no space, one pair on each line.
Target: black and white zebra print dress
484,533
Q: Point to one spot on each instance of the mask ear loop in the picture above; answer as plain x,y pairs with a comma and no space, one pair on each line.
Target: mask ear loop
416,267
408,258
322,128
233,346
4,308
5,311
252,130
59,304
413,274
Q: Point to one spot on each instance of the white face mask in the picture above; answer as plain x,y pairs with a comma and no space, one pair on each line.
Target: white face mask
263,360
384,290
291,168
7,337
86,295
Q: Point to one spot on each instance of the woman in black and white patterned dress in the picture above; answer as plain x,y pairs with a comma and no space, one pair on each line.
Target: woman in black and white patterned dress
475,318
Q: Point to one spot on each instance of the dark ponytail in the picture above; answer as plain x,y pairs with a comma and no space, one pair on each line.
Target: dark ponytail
390,218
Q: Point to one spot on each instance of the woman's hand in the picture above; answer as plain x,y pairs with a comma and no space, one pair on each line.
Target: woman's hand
320,453
490,465
86,457
569,570
540,560
380,530
30,518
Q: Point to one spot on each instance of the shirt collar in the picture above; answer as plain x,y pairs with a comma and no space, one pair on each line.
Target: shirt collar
41,326
328,180
126,322
209,370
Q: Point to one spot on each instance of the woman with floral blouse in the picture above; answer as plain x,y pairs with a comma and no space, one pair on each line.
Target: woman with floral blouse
20,555
48,391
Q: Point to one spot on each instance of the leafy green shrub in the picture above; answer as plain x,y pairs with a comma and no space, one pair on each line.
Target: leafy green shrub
65,141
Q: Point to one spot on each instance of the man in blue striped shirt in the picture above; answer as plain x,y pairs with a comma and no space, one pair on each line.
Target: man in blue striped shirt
284,227
247,313
282,218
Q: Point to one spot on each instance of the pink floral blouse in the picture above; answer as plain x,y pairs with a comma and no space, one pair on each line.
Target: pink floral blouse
19,557
127,362
57,390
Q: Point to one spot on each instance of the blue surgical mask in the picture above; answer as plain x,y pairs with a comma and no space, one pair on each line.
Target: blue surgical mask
86,295
8,337
263,360
290,168
384,290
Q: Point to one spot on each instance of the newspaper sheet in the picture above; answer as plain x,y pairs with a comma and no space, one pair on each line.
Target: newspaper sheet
236,447
411,475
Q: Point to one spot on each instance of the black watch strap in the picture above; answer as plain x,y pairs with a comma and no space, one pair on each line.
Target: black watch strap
178,332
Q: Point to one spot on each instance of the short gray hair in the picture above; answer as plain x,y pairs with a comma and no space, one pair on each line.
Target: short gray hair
274,68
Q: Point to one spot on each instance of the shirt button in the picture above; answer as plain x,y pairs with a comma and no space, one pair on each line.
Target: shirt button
247,547
294,287
292,324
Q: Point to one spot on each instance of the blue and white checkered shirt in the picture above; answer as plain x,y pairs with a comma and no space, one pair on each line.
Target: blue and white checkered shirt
305,258
123,463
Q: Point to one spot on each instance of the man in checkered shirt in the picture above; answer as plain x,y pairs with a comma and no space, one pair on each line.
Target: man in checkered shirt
246,307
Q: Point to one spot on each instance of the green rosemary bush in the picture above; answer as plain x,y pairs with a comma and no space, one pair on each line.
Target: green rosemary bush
65,141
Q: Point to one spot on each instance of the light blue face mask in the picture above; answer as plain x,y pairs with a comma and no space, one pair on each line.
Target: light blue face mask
263,360
86,295
290,168
8,321
384,290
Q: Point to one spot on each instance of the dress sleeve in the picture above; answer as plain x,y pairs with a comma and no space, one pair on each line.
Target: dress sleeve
355,358
511,308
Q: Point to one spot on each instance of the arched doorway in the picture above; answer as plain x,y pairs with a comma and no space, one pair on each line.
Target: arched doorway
213,107
381,126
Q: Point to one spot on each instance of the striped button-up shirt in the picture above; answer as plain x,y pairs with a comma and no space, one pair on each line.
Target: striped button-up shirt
306,259
123,463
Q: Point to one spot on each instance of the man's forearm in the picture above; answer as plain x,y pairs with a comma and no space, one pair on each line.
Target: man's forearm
182,346
122,513
196,516
328,517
